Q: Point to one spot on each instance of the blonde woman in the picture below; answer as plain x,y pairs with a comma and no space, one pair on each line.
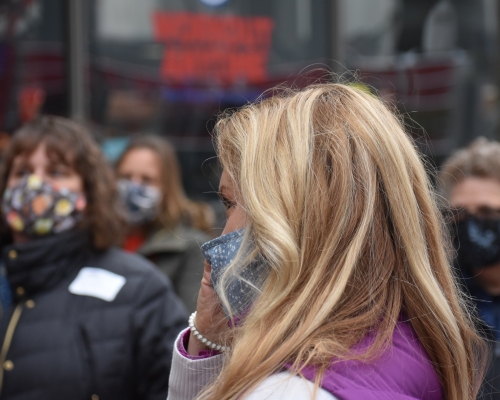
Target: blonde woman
332,268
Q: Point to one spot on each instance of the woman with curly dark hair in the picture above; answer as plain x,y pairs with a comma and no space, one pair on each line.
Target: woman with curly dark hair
86,320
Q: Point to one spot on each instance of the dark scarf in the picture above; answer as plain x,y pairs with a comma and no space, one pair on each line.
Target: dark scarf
40,264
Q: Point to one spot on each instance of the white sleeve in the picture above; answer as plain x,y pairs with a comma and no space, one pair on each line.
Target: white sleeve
188,377
285,386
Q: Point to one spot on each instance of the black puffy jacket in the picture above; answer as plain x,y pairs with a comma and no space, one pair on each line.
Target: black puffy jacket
63,346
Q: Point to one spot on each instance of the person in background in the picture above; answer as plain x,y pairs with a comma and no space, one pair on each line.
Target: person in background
163,224
332,268
87,320
470,181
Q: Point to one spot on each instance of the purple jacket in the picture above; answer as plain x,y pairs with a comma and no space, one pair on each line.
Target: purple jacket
402,372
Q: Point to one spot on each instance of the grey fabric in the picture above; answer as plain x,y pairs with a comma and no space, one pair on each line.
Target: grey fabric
177,254
189,377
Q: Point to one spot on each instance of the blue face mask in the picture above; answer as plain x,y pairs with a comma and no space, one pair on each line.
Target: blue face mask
141,201
219,253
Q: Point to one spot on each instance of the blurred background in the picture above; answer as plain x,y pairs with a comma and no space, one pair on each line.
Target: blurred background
167,67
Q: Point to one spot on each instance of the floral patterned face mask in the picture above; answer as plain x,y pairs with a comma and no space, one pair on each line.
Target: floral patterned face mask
37,208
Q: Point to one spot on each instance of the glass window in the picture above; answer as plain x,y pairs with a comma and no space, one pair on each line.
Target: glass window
434,59
169,66
32,61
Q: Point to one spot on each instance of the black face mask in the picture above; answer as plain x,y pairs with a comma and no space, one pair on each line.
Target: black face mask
477,241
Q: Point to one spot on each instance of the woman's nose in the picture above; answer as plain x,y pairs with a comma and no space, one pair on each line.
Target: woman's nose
40,172
136,179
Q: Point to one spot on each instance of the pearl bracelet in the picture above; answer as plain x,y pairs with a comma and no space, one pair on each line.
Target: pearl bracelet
203,339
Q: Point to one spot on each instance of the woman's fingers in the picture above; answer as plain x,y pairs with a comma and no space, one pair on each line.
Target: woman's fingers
210,320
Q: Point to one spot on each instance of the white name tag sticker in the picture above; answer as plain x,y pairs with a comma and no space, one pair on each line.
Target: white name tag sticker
97,282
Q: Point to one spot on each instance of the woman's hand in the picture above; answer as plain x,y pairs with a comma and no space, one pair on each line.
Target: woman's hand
210,321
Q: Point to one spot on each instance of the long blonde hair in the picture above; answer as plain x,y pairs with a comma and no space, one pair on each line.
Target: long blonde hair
340,207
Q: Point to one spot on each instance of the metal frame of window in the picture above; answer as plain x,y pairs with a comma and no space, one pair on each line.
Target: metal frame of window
77,59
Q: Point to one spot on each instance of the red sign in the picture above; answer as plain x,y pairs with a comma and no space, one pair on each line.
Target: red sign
30,100
224,48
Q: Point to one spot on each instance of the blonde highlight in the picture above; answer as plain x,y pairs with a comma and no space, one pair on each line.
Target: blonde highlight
340,207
